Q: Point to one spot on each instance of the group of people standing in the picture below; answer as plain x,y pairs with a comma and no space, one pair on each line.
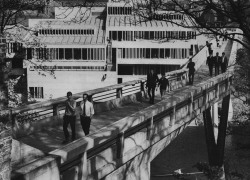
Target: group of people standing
153,81
86,113
217,62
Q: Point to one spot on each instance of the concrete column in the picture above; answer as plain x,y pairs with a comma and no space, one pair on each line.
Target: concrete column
83,168
150,128
119,93
55,110
230,110
173,115
120,145
215,120
5,154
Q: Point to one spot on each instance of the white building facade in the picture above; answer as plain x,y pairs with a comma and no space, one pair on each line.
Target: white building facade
110,46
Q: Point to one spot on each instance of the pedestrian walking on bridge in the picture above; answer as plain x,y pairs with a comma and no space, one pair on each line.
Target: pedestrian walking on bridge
191,70
224,63
210,63
87,112
69,118
152,80
163,84
217,64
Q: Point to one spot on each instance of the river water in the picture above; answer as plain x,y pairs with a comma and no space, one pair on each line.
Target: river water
190,147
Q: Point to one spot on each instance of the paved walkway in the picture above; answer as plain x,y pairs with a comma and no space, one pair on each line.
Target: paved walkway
50,138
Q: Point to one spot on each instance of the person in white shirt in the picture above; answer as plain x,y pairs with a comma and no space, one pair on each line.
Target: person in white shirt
87,111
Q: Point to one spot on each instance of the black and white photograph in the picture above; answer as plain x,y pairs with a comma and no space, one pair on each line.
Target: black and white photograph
124,90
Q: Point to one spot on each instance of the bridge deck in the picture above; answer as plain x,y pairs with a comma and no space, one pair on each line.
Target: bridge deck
50,138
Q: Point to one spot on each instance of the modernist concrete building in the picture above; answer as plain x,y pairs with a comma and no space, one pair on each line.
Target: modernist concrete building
108,45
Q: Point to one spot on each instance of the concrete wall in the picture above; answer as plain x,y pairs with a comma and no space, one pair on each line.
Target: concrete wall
64,81
22,154
5,154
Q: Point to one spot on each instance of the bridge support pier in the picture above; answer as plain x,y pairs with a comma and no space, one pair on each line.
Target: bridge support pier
216,148
215,120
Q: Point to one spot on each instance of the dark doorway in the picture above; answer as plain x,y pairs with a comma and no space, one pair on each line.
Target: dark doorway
119,80
113,59
17,63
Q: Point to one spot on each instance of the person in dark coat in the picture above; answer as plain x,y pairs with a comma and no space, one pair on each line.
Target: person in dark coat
210,63
191,70
152,80
217,63
209,46
163,84
224,63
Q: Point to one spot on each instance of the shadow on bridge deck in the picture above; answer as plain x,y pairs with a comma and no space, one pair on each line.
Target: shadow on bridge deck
50,138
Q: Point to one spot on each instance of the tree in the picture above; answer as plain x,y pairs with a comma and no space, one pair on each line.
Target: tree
242,76
210,17
13,13
206,16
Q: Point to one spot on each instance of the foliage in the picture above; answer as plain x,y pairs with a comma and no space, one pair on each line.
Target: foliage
210,172
4,121
241,81
241,111
14,12
207,17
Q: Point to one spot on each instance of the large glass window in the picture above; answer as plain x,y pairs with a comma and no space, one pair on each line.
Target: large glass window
167,53
155,53
36,92
119,35
77,53
61,53
161,53
152,35
68,53
147,53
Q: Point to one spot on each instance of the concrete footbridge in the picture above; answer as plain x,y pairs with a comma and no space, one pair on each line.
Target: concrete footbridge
126,132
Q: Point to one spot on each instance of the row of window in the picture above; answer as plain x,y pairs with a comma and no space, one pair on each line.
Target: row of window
153,53
119,10
168,16
143,69
36,92
66,31
13,47
150,35
67,68
66,53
